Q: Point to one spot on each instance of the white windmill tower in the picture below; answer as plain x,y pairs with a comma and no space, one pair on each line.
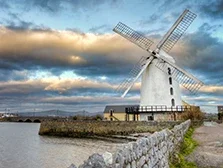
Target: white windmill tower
161,77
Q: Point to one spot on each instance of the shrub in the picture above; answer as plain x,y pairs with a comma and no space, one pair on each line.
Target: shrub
193,114
220,116
98,117
74,117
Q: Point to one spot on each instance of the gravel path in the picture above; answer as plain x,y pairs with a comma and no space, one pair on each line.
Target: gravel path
209,153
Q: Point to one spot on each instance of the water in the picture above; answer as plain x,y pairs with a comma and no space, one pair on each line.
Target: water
22,147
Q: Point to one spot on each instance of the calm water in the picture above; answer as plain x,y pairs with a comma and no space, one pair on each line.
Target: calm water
22,147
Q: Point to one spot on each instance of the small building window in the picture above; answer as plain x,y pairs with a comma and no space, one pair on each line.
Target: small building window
170,80
173,102
171,91
149,118
169,71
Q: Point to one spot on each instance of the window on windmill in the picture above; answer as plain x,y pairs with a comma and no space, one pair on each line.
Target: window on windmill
169,71
173,102
171,91
170,80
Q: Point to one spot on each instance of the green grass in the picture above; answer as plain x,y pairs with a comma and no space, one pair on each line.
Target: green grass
187,147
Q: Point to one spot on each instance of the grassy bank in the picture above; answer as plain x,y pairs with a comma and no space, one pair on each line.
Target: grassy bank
187,147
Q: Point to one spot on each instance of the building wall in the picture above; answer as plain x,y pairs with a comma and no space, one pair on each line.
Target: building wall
144,116
118,116
161,116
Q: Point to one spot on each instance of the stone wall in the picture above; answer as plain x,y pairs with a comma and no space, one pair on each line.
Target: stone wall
100,128
148,152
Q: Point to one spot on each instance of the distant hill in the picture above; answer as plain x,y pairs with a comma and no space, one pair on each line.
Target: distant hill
58,113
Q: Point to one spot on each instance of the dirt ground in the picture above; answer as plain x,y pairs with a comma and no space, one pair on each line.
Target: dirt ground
209,153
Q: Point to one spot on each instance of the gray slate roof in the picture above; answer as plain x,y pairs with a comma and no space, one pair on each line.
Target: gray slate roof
117,108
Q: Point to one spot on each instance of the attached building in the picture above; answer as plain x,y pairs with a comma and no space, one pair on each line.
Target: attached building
138,113
118,113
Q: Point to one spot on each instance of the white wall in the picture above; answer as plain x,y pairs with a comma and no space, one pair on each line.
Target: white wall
155,87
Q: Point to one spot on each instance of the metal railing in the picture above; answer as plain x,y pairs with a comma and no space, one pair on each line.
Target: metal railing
160,108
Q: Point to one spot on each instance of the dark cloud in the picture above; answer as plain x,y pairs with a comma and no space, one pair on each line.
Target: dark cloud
12,75
87,55
15,23
54,6
48,5
4,4
166,4
205,27
200,53
213,8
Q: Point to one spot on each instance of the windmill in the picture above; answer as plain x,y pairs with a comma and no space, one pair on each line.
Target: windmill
161,77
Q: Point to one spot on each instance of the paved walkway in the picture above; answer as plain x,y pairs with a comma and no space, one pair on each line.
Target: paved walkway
209,153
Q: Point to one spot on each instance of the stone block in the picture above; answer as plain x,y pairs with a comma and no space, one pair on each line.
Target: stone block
107,158
94,160
118,158
72,166
133,164
141,161
145,166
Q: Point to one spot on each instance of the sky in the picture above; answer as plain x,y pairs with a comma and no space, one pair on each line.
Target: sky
63,54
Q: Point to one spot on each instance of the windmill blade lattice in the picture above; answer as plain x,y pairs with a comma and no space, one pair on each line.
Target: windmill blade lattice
133,36
177,30
132,75
186,80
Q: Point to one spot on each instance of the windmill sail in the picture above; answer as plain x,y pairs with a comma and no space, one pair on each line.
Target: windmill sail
133,36
187,80
176,31
136,72
171,37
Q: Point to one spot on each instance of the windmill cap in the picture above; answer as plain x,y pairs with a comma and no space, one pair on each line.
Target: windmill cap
164,54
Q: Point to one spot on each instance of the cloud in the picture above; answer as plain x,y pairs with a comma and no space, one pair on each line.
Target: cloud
217,90
151,20
213,9
54,86
100,29
200,53
86,54
13,75
54,6
101,60
4,5
205,27
91,100
55,93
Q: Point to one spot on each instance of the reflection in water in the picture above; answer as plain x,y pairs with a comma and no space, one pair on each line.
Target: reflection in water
22,147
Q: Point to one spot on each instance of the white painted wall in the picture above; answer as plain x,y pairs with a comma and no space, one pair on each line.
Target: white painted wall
155,87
